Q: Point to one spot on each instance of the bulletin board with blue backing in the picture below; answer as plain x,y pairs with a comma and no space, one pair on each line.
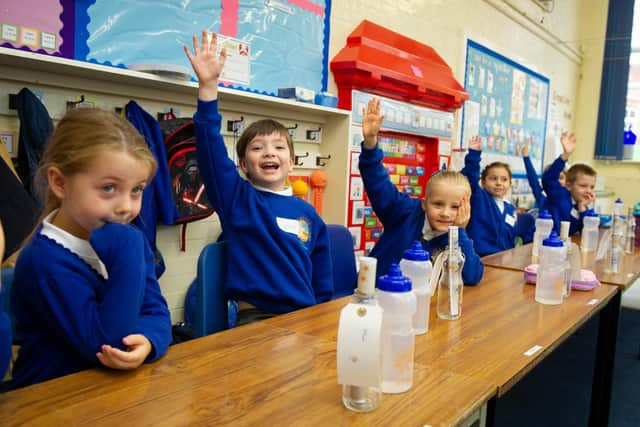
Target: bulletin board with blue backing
508,104
271,43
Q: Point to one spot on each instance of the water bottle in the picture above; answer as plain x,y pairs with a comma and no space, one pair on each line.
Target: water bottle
398,342
355,397
636,214
448,273
416,265
629,243
589,238
544,225
550,283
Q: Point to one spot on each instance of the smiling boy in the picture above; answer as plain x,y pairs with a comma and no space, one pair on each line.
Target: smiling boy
570,203
278,256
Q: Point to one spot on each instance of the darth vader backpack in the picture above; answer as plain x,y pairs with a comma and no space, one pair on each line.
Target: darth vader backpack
186,184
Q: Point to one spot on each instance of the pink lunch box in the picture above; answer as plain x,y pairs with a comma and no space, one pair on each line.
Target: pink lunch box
588,279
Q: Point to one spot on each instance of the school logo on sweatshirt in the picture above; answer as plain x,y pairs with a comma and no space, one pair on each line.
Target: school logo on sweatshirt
304,230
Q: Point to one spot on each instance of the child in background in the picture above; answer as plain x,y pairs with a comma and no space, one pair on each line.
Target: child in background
5,324
532,177
278,255
405,219
85,292
493,217
570,203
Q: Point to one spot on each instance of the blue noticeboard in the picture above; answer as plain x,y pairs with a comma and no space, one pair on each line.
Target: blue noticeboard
275,43
507,105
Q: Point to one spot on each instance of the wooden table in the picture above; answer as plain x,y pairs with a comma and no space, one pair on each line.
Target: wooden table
520,257
256,374
500,322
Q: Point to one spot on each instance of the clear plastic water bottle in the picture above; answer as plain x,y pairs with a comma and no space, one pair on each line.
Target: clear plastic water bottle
448,273
398,341
550,283
544,225
629,243
361,398
589,238
416,265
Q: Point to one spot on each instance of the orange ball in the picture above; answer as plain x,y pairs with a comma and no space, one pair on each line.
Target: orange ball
318,179
300,188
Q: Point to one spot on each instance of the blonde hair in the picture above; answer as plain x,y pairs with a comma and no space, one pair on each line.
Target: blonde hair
452,178
81,137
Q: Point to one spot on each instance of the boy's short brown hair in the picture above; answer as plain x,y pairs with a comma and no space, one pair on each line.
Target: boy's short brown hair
263,127
580,169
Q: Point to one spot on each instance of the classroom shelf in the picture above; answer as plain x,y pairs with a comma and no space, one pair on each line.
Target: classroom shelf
71,78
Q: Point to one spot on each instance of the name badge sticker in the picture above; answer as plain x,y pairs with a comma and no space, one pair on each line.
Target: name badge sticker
288,225
574,213
510,219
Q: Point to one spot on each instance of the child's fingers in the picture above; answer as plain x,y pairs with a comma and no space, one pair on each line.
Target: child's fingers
196,46
205,43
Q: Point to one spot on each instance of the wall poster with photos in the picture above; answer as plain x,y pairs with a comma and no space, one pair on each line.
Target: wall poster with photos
507,106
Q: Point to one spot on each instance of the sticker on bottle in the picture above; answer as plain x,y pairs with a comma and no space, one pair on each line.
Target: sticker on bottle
359,347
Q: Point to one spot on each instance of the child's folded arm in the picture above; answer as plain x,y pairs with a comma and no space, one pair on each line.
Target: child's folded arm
154,321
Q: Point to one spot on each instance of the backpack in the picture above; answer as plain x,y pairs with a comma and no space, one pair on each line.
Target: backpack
187,187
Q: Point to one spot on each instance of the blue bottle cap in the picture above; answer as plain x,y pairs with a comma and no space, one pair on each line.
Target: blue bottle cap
416,252
590,212
394,281
545,215
618,200
553,241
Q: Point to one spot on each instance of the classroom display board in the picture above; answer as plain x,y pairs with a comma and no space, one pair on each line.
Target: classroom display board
270,43
507,106
410,138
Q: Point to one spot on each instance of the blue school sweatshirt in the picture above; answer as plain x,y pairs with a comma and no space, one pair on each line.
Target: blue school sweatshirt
403,220
5,343
532,177
559,201
278,255
488,228
65,311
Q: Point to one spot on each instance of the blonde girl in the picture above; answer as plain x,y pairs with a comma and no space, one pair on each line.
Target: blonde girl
85,292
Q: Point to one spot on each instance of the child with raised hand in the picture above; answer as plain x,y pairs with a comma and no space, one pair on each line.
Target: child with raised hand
406,219
278,255
85,292
532,177
493,217
569,202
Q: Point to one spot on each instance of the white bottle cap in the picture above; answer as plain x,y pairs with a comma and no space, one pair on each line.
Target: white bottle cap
367,275
564,230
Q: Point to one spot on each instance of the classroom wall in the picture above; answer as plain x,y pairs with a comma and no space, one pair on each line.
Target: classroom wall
517,29
620,178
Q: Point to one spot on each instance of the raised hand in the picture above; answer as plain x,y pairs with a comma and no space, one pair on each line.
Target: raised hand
525,148
568,141
206,64
474,143
371,122
464,213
